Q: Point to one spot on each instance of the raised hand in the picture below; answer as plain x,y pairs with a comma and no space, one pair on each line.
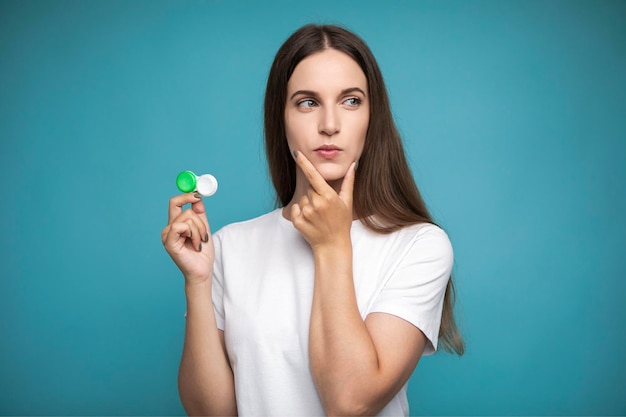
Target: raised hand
322,215
186,238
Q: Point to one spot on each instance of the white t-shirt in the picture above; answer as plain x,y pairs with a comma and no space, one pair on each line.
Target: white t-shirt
263,290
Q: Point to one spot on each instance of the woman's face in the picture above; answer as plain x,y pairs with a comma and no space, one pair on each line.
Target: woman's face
327,112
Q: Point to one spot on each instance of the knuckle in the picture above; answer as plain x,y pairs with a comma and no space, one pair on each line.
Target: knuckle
308,211
297,221
321,203
174,201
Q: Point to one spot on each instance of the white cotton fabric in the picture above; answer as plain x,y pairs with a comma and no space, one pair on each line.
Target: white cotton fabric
263,290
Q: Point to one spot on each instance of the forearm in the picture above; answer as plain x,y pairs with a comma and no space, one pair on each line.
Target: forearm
343,357
205,378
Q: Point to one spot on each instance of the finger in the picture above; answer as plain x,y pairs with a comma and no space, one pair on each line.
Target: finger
203,231
175,232
201,228
318,183
200,211
164,233
295,212
304,201
309,204
298,217
347,186
315,201
198,214
195,236
176,205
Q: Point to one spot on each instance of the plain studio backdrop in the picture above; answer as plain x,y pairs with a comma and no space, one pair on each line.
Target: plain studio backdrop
513,114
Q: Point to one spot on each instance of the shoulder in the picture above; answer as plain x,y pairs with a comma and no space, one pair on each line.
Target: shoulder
427,232
427,241
418,232
423,243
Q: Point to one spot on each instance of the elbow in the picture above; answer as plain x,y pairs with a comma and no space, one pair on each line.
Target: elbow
194,409
193,405
341,412
350,405
196,403
349,410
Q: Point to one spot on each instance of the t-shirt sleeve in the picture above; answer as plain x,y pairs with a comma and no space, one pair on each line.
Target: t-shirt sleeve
218,282
416,287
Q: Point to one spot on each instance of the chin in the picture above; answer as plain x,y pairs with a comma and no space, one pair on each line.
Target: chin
333,174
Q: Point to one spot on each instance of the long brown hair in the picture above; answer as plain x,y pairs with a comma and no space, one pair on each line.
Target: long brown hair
386,197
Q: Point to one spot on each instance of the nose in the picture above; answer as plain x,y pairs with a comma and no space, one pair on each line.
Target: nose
329,121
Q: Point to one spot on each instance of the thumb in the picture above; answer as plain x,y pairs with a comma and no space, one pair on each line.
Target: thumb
347,186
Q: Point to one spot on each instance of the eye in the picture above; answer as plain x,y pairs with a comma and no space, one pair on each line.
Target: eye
353,102
308,103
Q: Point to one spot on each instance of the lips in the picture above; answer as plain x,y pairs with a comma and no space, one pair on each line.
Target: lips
328,151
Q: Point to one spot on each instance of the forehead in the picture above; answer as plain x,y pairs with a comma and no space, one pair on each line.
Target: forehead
327,70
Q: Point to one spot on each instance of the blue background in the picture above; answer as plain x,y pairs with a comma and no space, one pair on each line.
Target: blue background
514,119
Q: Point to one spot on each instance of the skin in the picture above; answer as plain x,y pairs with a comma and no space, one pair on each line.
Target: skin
327,105
205,379
358,365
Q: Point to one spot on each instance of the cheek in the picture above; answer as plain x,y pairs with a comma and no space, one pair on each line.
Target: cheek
362,128
291,132
292,127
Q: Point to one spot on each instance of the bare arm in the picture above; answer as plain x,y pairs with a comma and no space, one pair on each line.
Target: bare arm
358,365
205,379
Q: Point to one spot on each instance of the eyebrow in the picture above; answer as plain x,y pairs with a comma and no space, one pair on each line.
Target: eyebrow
313,93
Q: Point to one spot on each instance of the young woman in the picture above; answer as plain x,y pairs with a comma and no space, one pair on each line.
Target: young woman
325,305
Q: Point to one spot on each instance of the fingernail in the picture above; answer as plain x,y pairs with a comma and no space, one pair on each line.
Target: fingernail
206,237
295,154
200,247
197,195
